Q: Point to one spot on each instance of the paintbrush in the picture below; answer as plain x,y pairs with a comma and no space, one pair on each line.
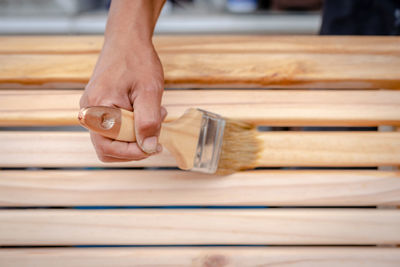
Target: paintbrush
199,140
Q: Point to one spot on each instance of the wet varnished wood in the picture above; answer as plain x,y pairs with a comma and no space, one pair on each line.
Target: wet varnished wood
240,61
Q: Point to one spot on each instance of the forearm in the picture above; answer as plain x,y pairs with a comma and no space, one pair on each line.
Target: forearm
132,22
129,75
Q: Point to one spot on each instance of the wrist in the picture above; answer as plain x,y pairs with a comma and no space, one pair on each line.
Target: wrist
121,40
131,23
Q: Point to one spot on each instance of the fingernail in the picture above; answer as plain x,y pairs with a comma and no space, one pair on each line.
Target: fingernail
159,148
149,144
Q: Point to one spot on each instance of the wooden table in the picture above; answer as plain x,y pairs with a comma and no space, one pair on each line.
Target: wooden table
325,192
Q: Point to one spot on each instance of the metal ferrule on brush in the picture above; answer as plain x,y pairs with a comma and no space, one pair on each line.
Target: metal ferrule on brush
210,143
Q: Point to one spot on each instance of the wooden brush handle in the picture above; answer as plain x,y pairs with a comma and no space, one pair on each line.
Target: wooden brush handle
180,137
127,128
115,123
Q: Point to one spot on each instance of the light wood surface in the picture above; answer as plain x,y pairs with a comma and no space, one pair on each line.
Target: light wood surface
225,64
199,226
262,107
39,107
217,62
126,128
44,44
195,43
280,70
181,137
55,149
206,257
74,149
159,188
329,149
46,71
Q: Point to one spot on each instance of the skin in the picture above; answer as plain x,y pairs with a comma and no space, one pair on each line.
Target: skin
129,75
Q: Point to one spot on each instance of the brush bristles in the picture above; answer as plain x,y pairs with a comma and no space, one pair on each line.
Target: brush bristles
240,147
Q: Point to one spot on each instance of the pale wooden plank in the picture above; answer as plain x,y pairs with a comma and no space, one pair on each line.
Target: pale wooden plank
74,149
217,70
278,43
159,188
39,107
207,257
61,149
206,43
261,107
72,71
329,149
199,226
279,70
44,44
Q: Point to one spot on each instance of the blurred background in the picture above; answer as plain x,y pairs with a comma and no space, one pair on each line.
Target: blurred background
178,16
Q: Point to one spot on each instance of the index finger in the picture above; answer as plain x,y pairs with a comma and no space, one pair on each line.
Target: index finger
106,147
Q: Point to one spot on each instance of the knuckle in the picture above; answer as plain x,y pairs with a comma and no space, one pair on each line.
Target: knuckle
153,87
101,149
149,124
106,150
93,99
83,102
103,158
139,157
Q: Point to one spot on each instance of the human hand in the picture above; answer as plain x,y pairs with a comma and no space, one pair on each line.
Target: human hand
129,77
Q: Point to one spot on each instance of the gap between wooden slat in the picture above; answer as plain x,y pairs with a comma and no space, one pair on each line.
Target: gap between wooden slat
196,227
325,149
261,107
207,257
164,188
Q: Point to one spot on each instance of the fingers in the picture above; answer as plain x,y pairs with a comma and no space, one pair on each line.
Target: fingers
148,118
109,150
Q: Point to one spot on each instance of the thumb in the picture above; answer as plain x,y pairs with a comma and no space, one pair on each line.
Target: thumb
147,112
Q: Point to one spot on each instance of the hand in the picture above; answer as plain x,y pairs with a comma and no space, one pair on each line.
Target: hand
129,77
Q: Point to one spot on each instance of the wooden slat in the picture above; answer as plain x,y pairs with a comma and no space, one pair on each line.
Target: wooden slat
195,43
221,70
209,61
196,227
207,257
39,107
280,70
36,44
74,149
55,149
262,107
329,149
159,188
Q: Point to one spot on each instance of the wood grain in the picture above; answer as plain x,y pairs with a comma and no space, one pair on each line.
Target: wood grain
261,107
329,149
74,149
217,70
208,43
159,188
55,149
281,70
44,44
196,257
200,226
